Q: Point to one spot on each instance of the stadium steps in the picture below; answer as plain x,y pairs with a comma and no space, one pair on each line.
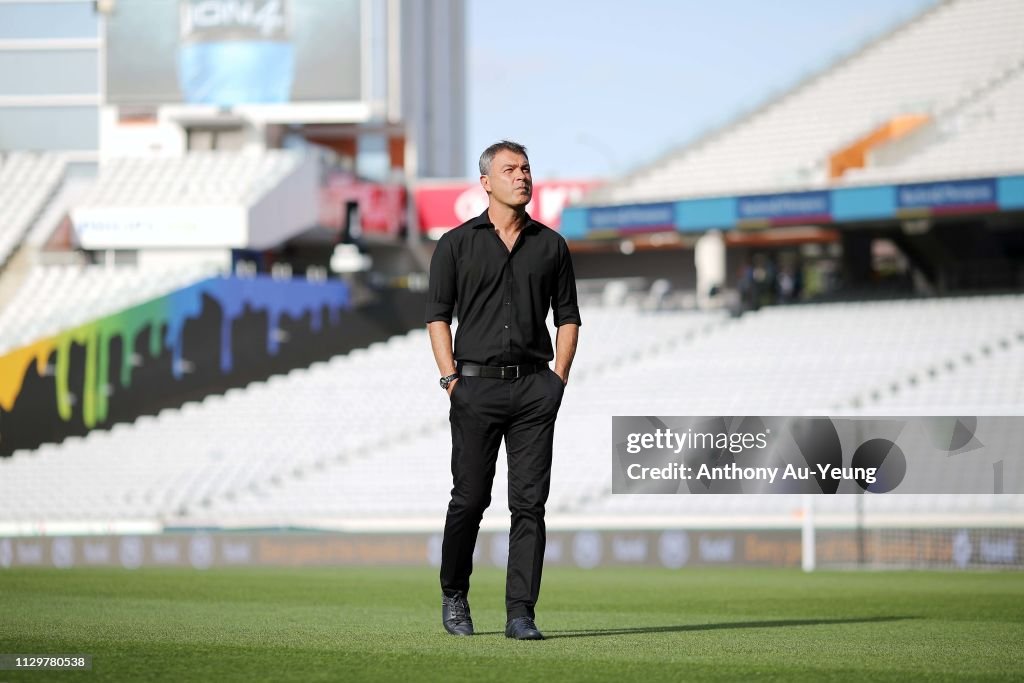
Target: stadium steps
988,377
926,253
13,275
892,158
28,182
980,136
70,192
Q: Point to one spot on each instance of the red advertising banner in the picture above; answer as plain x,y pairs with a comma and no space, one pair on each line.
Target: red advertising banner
443,206
381,205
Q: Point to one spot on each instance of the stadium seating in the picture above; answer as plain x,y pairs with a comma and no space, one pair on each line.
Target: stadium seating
983,137
362,440
990,380
57,297
194,179
246,453
27,180
928,66
819,359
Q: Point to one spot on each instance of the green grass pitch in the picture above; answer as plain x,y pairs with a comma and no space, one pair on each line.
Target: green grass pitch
604,624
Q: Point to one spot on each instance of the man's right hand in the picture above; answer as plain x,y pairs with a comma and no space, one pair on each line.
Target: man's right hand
451,386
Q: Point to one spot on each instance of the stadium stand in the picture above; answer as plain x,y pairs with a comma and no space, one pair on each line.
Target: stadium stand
317,446
250,443
983,136
799,360
990,380
931,66
50,298
325,446
195,179
57,297
27,181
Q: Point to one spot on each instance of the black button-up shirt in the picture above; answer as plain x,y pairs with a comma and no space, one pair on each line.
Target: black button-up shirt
503,296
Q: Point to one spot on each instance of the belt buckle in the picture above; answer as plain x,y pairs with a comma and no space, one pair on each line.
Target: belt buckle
509,368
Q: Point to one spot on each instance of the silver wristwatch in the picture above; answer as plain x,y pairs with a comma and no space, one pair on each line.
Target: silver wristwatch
445,381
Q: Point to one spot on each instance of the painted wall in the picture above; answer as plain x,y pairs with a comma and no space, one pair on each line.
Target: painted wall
202,339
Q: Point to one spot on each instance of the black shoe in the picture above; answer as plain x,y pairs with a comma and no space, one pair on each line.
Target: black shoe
455,615
522,628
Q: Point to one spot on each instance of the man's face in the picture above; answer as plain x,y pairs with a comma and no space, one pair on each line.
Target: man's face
509,181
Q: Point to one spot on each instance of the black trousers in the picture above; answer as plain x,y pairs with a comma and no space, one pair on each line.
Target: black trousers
483,411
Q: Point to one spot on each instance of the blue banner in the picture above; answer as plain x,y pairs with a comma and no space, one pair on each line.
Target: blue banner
948,194
696,215
772,207
879,202
633,217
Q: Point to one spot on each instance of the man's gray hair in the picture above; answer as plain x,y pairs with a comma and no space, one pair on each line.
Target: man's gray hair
488,156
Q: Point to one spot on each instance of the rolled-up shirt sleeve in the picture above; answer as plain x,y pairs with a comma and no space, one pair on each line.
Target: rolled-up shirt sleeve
441,291
564,305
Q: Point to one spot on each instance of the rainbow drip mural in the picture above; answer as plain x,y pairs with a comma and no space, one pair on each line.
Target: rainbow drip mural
293,298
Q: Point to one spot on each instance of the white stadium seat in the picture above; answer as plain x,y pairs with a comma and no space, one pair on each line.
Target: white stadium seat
365,436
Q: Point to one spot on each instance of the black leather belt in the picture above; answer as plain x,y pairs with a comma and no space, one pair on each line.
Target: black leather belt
500,371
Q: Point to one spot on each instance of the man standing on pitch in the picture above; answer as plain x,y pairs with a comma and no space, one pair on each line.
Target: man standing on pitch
504,271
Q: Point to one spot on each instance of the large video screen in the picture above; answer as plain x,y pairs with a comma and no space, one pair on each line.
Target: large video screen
233,52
